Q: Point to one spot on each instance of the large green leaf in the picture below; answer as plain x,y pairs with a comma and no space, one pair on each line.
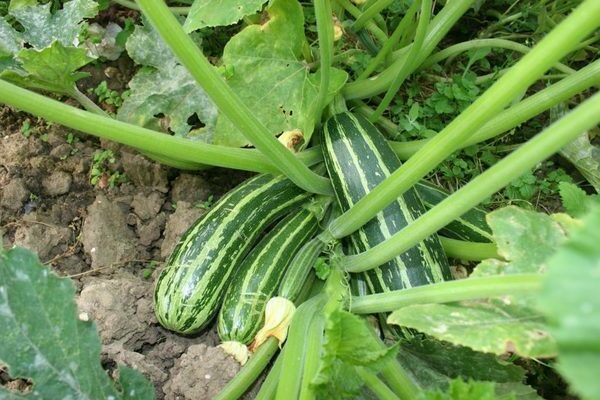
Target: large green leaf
41,27
164,89
526,239
45,342
571,303
433,363
267,70
53,68
219,12
489,327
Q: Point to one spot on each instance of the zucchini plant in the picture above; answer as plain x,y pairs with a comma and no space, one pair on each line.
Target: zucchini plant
396,229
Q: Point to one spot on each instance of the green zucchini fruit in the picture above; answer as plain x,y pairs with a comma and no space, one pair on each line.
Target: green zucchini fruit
189,290
260,273
358,158
471,226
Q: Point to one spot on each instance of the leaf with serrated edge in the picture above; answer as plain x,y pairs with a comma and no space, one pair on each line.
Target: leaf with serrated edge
524,238
271,77
219,12
41,27
53,68
44,341
165,89
489,327
570,301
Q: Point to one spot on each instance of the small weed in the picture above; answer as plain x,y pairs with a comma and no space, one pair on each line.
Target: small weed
108,96
147,272
206,204
26,128
100,172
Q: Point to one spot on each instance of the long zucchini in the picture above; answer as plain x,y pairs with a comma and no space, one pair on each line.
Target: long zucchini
259,275
189,290
358,158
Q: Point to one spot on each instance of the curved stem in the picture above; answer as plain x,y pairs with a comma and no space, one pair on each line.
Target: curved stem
312,357
481,43
133,6
250,371
147,140
439,27
469,251
227,100
86,102
325,35
410,60
553,47
542,146
447,292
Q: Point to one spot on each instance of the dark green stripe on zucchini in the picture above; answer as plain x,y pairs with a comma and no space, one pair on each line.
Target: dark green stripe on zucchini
189,290
358,158
260,273
471,226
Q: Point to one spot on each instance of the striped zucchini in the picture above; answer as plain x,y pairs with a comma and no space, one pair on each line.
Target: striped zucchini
471,226
358,158
259,276
189,290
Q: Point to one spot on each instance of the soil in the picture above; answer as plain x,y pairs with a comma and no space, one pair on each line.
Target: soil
112,241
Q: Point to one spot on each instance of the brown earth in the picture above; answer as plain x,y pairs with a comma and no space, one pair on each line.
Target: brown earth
111,241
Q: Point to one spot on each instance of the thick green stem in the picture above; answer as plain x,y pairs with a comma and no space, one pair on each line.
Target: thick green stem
482,43
368,14
132,135
370,25
227,100
508,119
469,251
376,385
325,34
399,381
409,64
290,379
314,344
250,371
133,6
439,27
554,46
447,292
269,386
542,146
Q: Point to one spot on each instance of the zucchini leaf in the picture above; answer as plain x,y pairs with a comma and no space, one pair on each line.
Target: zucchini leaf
510,324
267,70
570,301
52,57
219,12
461,390
434,365
44,341
163,95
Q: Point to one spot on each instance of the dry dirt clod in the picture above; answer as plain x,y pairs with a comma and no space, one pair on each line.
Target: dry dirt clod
106,237
190,188
200,373
43,239
14,195
147,205
183,217
144,173
59,182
